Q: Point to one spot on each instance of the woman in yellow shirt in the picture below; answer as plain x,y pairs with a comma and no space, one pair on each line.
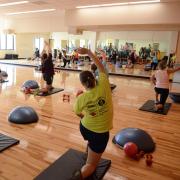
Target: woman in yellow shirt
95,107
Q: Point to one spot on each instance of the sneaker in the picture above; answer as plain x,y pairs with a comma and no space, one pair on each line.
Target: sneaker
155,107
76,176
159,108
51,88
156,102
43,93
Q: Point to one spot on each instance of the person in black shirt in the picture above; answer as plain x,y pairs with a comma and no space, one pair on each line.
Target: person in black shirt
65,59
132,57
47,67
1,77
37,55
113,57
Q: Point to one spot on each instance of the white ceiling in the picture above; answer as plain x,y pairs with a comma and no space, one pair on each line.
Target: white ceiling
56,19
59,5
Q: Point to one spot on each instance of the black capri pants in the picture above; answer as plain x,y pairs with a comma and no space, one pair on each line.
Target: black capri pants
48,78
96,141
163,94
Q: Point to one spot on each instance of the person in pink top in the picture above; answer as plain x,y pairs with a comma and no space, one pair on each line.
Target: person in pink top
161,81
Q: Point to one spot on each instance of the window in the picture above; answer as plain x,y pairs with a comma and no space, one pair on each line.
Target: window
10,41
3,42
7,42
72,43
39,43
57,44
82,43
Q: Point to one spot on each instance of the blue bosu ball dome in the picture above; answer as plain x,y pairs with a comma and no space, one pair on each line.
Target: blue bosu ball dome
23,115
141,138
30,84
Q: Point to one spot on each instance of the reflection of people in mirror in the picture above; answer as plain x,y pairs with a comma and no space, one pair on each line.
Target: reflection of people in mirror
129,65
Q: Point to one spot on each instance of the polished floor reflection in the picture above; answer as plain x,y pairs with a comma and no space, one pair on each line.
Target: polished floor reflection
137,71
58,128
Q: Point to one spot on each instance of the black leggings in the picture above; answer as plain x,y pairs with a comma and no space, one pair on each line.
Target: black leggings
154,66
163,94
48,78
65,61
75,60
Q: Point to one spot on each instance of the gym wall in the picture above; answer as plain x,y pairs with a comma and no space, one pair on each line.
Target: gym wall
25,43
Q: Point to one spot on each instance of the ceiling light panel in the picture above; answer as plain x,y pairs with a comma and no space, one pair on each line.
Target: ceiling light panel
28,12
13,3
119,4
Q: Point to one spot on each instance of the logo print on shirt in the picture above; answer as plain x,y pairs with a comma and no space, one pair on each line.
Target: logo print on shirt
101,102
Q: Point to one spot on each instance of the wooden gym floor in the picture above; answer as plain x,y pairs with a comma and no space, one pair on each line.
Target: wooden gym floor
57,130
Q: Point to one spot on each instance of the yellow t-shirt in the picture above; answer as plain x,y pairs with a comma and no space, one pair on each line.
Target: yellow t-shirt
173,59
97,107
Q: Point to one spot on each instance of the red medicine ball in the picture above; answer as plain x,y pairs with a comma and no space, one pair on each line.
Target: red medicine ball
130,149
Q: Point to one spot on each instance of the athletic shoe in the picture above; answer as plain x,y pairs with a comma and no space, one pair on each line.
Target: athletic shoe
156,102
77,176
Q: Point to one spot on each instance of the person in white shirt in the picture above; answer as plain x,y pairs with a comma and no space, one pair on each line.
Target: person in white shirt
161,81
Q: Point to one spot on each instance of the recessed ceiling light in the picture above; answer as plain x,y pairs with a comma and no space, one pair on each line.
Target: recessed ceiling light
119,4
13,3
145,2
102,5
28,12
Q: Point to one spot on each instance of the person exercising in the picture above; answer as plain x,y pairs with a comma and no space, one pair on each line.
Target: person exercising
1,77
95,108
47,67
95,69
161,81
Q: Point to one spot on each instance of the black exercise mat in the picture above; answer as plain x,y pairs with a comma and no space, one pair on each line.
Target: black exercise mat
6,142
53,91
150,107
3,81
68,163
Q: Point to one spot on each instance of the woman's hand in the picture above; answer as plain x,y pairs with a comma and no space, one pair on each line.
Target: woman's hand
93,57
45,43
80,115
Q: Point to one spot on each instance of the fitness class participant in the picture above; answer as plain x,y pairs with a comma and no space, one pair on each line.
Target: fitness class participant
47,67
96,110
161,81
